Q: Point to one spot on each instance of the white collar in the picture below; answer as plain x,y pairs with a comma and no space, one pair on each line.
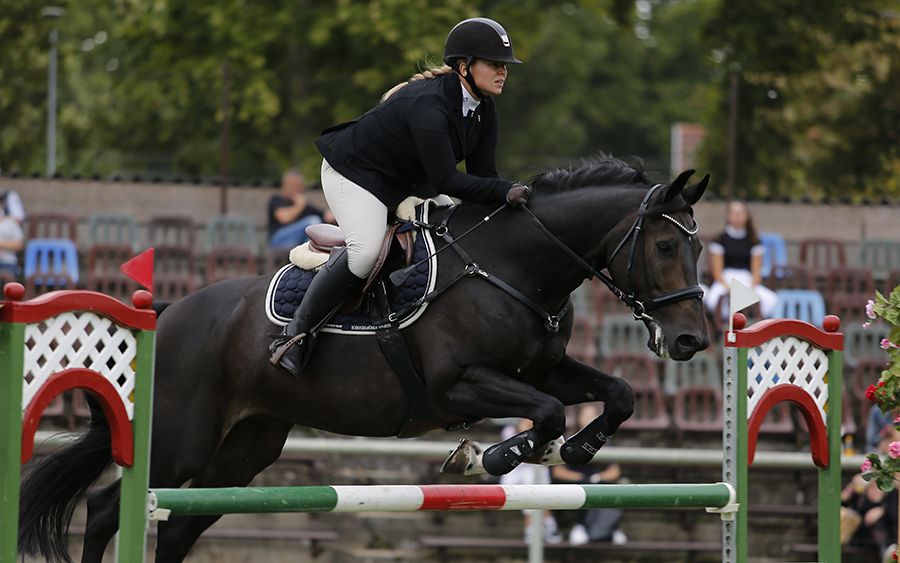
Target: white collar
735,233
469,101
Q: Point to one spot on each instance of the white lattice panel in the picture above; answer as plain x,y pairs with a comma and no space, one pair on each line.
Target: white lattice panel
787,361
81,339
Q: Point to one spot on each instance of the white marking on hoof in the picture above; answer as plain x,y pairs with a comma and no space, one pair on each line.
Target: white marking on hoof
465,459
551,453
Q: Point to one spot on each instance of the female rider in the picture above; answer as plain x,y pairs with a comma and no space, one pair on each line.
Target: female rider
409,144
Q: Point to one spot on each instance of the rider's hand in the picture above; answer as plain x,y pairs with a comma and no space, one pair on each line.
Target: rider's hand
517,196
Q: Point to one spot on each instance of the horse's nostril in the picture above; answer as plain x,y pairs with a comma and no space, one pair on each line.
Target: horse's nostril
691,342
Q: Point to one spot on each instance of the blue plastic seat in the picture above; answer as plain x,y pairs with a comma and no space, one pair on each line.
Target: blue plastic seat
51,259
803,304
776,253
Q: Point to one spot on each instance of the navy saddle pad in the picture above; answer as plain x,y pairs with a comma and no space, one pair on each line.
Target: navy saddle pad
290,283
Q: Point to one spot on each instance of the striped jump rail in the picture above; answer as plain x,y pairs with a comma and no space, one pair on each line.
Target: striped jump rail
715,497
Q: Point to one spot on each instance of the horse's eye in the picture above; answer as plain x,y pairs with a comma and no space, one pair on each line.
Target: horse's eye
665,247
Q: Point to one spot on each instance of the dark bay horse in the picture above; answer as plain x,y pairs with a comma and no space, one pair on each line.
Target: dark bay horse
222,412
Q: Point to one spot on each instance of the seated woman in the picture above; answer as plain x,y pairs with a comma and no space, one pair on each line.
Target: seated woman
737,254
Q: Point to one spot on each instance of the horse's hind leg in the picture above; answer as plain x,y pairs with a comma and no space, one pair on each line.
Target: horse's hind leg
251,446
102,522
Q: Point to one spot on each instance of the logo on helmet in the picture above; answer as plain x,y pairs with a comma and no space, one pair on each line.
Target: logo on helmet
505,39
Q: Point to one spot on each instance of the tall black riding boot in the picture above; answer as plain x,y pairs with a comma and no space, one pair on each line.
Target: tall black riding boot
331,287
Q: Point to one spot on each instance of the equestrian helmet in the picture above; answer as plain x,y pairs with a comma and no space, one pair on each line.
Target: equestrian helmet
479,38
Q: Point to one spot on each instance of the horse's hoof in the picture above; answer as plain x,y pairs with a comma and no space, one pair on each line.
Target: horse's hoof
464,460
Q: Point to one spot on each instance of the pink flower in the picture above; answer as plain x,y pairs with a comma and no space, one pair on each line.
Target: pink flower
894,450
885,343
897,420
865,467
870,309
867,324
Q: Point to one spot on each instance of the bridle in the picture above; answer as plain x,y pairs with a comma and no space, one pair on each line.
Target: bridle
639,308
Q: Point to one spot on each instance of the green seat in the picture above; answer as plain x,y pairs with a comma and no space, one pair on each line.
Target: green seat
112,228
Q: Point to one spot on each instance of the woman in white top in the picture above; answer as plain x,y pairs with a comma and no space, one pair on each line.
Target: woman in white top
737,254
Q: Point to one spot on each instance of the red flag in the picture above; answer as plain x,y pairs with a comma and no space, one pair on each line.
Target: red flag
140,268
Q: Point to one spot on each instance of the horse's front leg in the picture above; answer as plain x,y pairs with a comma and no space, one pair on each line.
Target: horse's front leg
483,392
573,382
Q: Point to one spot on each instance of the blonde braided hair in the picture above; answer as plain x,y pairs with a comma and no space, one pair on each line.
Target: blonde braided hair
432,72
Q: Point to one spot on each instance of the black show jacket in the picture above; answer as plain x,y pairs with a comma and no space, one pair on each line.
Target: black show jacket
411,143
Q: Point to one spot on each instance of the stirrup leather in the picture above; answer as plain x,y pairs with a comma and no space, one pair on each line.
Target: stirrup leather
281,350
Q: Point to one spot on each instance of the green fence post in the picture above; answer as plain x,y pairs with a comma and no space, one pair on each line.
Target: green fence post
135,480
12,353
830,479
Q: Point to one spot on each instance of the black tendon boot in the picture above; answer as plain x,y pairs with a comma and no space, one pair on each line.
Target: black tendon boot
331,287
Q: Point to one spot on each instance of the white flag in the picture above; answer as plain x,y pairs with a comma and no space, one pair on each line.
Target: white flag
741,298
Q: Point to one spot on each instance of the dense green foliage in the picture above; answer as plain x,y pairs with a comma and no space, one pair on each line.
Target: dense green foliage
146,85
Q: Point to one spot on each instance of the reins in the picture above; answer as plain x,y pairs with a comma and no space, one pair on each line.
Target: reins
639,308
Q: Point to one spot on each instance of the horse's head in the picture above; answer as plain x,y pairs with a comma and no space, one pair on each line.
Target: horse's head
653,258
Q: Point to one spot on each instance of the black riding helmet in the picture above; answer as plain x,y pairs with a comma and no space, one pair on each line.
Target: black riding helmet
478,38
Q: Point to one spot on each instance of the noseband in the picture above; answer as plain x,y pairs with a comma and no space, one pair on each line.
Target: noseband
639,308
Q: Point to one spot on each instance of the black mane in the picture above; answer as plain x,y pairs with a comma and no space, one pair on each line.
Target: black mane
602,170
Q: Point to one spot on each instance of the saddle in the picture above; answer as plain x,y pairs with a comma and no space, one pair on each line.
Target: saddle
324,238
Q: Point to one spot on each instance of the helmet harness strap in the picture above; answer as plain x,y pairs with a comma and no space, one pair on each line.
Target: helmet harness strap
471,79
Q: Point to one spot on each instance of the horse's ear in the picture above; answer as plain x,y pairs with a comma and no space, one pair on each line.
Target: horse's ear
677,185
694,192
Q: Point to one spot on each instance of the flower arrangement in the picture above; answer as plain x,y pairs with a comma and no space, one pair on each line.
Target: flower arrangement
886,393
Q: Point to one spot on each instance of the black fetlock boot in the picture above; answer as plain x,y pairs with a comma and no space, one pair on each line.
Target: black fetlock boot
331,287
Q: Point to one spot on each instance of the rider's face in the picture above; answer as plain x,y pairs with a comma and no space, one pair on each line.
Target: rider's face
489,76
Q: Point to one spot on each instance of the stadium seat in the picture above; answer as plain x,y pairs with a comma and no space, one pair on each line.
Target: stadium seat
622,334
52,226
232,231
792,276
583,345
703,369
103,274
228,262
893,280
880,256
641,373
803,304
775,256
820,256
862,344
856,281
698,408
606,303
171,231
51,263
778,420
276,258
112,229
174,272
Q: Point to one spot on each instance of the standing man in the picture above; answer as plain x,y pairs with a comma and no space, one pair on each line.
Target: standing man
290,212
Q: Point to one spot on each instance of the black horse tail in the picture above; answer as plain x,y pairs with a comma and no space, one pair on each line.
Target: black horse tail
53,486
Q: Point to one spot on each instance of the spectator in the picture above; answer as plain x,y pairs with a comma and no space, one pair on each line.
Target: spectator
12,239
290,212
876,426
737,254
527,474
12,205
874,510
596,524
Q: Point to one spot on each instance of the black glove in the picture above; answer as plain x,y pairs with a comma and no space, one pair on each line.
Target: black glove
517,196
